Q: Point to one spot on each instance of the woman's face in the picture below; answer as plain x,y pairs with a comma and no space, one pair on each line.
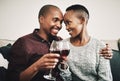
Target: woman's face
73,23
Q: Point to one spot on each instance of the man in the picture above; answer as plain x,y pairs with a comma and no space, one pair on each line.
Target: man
30,58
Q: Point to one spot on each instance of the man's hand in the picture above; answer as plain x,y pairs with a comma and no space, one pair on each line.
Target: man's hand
106,52
48,61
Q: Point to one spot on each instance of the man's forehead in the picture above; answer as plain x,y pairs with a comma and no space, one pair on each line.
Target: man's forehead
56,13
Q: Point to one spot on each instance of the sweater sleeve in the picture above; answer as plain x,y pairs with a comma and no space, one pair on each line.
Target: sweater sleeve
104,69
65,73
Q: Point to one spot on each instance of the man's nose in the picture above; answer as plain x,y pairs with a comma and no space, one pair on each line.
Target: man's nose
59,25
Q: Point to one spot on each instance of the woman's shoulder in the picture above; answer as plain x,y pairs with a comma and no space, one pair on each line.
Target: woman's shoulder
98,42
67,39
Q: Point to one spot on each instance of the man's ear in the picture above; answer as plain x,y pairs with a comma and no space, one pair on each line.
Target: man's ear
41,19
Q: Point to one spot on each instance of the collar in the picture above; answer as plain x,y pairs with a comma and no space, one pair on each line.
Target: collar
51,38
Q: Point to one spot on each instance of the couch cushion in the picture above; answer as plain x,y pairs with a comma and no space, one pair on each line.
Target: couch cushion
3,62
2,74
5,51
119,44
4,42
115,65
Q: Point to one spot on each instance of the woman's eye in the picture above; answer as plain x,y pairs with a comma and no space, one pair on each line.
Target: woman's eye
68,23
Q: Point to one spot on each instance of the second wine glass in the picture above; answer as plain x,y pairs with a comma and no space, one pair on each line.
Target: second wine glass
64,52
55,47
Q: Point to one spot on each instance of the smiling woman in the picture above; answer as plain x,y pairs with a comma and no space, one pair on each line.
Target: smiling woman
84,60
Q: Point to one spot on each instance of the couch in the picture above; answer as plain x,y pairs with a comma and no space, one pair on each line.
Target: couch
114,62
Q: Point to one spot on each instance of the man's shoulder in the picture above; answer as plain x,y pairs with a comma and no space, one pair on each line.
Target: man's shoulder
23,38
27,36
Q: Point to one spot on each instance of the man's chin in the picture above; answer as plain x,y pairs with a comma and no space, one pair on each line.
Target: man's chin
54,34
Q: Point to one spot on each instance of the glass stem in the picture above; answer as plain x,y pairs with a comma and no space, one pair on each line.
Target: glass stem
50,74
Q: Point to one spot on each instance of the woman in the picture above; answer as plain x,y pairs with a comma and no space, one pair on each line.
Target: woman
84,59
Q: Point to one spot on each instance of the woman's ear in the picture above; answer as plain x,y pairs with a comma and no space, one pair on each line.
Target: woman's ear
82,20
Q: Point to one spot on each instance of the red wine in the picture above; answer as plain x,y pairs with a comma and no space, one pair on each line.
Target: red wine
56,51
64,53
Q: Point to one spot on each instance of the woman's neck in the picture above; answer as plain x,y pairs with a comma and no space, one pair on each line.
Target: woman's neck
80,40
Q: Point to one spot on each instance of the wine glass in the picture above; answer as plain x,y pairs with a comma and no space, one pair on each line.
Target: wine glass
54,48
64,52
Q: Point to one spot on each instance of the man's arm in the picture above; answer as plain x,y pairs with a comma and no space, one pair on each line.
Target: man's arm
48,61
106,52
18,69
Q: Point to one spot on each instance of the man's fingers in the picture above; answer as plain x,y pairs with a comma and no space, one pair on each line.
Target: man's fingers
106,52
49,60
52,55
50,65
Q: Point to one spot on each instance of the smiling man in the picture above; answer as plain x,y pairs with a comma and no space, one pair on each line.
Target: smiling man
30,58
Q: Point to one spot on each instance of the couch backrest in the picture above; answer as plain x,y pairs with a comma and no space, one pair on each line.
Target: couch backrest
4,42
112,43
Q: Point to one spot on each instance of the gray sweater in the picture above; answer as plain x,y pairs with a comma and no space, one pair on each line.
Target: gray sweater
86,64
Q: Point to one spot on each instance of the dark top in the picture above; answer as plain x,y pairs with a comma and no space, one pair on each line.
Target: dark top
25,51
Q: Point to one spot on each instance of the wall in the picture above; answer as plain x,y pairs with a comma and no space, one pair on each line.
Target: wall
19,17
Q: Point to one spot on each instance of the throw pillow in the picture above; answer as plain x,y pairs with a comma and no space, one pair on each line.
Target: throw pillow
115,65
119,44
5,51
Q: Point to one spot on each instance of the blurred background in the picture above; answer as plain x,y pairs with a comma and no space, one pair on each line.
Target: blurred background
20,17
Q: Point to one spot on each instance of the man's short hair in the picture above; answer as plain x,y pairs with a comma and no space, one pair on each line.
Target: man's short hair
45,10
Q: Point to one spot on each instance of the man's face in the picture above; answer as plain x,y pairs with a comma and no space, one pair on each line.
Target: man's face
52,22
73,23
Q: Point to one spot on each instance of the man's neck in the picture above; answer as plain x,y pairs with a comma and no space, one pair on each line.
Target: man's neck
43,35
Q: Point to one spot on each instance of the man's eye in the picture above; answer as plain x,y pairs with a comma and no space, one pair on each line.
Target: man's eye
55,20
